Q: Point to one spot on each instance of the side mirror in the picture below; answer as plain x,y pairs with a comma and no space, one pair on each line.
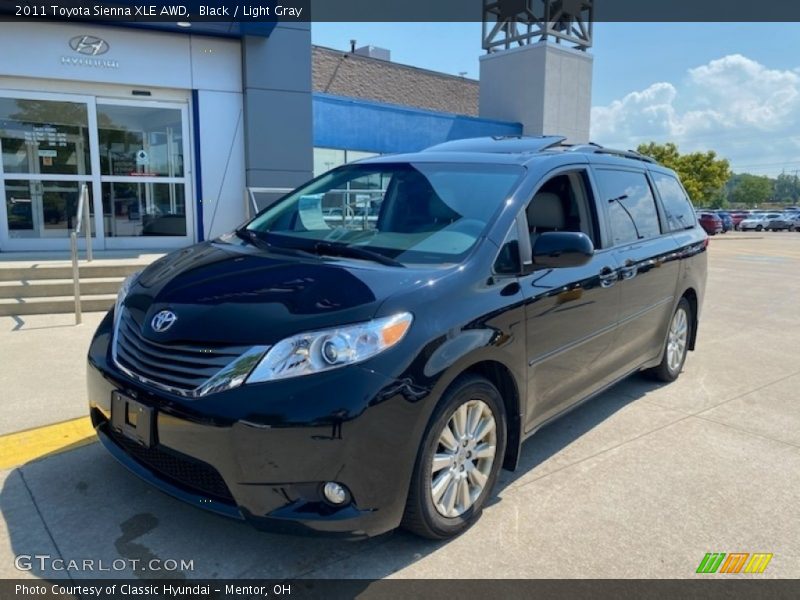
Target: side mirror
559,249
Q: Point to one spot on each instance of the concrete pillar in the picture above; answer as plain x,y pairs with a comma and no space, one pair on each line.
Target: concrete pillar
544,86
277,106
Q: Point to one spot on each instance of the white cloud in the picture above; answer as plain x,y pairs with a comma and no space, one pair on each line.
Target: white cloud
736,106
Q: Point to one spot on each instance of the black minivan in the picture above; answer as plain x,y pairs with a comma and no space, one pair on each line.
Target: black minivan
370,350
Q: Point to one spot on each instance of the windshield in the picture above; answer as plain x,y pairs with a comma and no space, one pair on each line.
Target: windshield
406,213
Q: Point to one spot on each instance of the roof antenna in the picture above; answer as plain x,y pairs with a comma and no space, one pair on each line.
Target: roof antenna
352,46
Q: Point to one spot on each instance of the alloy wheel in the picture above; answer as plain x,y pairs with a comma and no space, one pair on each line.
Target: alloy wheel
464,458
678,337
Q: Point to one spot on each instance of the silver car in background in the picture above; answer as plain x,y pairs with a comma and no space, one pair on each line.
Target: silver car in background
788,221
756,222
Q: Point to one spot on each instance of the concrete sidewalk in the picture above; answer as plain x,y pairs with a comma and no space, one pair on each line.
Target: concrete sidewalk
43,368
642,482
59,258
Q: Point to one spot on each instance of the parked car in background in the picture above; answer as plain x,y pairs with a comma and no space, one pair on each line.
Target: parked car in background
710,222
727,220
755,222
777,219
789,221
738,216
780,223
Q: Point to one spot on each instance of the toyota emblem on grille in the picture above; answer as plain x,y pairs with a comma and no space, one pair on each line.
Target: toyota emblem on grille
163,321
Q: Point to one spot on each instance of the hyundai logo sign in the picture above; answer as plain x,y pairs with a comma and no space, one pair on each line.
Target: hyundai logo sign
89,45
163,321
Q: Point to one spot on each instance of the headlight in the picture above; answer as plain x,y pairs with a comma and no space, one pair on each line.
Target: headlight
123,293
317,351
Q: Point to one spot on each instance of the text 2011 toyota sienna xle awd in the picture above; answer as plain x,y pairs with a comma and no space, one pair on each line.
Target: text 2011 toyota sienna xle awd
369,351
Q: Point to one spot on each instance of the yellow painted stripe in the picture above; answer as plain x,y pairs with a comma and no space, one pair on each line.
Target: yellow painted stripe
24,446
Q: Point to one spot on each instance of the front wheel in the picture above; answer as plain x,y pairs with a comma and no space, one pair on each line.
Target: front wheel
459,460
677,345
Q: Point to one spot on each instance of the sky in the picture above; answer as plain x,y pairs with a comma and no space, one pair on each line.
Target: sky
729,87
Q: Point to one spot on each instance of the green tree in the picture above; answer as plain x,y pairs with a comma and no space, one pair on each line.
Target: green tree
751,189
703,174
667,154
787,188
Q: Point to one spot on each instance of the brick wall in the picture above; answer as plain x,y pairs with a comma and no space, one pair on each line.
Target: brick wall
346,74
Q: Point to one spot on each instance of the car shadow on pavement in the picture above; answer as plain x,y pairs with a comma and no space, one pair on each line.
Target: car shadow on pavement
565,431
82,505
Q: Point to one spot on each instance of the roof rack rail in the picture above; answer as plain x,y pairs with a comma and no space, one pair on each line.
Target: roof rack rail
598,149
511,144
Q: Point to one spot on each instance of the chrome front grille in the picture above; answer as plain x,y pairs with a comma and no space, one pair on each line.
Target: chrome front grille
188,370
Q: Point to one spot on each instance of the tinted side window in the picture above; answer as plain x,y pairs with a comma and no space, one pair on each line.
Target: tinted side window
680,212
631,207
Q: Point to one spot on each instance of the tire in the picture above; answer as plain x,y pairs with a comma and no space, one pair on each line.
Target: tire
671,364
427,517
759,228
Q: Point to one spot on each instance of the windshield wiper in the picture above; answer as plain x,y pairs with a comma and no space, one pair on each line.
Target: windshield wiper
252,236
332,249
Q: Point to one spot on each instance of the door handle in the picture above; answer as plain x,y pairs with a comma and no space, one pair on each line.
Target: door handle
608,277
630,270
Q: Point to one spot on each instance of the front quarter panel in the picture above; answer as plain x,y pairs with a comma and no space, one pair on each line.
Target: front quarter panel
465,322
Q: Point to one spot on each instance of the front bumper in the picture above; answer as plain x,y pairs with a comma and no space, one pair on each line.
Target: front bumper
263,452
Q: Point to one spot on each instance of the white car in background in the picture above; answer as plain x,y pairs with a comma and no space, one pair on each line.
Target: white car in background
757,222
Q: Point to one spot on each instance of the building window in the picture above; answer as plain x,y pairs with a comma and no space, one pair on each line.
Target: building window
354,155
326,159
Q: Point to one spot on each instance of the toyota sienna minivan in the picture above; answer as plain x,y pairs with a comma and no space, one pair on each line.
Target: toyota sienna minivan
369,351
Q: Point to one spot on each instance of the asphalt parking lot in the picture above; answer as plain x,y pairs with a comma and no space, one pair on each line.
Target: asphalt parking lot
641,482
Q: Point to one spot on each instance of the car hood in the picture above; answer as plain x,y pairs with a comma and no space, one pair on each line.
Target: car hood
236,295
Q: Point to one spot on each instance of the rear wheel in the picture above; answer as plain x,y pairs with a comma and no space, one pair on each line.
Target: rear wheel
459,460
759,228
677,344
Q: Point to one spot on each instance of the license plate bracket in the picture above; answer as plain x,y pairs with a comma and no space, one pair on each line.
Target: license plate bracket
133,419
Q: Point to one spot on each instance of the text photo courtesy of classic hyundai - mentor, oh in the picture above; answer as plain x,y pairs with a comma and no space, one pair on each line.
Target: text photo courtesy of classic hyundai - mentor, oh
369,351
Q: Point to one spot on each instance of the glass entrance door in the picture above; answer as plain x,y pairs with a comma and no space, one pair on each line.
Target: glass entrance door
45,160
143,150
42,208
132,156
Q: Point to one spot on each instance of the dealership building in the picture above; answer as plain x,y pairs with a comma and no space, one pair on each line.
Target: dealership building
167,126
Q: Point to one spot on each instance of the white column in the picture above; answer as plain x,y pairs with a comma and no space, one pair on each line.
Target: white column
545,86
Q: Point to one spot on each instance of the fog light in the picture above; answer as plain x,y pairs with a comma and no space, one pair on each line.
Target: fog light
335,493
